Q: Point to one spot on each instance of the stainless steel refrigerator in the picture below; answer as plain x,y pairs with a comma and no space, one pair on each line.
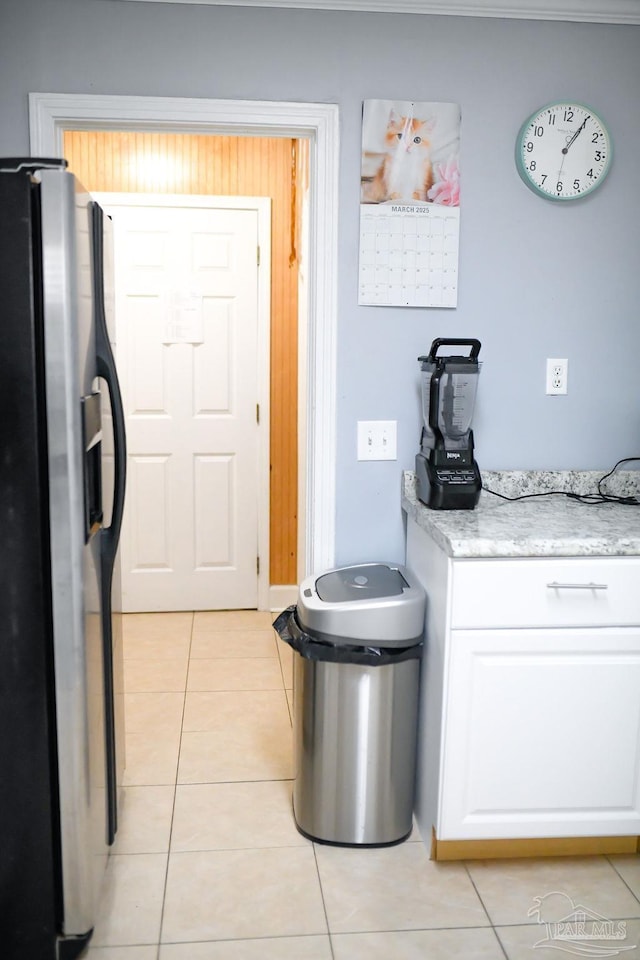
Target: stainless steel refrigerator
62,481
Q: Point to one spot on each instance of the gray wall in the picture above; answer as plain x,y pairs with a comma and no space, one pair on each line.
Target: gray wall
537,279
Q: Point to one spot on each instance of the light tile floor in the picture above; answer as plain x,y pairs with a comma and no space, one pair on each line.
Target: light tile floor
208,864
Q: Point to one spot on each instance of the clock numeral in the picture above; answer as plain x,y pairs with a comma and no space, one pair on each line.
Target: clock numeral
532,165
595,137
552,119
599,156
590,173
559,186
529,147
538,131
544,177
576,184
568,115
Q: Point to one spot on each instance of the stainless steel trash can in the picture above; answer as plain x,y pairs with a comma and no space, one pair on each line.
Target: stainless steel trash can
357,634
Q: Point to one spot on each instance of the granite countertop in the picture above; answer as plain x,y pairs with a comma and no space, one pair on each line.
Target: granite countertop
549,526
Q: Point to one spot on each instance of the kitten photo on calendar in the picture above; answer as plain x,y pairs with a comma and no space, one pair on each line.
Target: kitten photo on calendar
409,204
410,152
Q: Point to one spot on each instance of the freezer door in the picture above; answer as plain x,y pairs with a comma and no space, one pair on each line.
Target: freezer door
28,836
74,441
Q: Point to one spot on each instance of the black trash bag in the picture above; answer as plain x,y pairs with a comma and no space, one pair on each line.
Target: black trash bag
311,648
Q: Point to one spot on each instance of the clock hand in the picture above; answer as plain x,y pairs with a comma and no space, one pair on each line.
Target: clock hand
565,150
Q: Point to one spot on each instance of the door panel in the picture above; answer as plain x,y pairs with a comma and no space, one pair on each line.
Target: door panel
542,734
214,482
187,309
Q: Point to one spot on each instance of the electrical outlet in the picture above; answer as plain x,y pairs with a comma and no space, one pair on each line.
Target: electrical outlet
557,373
377,439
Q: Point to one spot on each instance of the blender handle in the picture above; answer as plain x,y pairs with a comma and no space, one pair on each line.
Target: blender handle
453,342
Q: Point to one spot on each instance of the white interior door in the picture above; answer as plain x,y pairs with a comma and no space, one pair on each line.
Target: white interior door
192,369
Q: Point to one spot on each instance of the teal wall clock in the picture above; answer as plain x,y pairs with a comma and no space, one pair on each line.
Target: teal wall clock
563,151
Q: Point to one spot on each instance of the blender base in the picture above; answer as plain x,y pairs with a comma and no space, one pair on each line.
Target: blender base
447,488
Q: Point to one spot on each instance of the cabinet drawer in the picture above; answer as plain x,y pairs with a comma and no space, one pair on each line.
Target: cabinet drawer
545,593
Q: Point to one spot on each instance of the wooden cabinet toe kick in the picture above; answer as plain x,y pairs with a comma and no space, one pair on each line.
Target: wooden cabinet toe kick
530,847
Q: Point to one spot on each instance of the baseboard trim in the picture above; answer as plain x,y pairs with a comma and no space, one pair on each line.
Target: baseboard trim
531,847
282,595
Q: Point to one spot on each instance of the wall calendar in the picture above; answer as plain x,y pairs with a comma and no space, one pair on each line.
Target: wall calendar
409,204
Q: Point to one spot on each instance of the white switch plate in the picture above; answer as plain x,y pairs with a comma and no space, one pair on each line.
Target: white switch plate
377,439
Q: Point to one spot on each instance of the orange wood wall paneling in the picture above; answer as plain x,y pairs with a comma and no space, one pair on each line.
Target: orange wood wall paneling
133,162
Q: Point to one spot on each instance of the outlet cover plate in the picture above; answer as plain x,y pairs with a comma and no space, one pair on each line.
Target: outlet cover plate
557,373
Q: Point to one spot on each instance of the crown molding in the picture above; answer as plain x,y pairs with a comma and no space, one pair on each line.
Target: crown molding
588,11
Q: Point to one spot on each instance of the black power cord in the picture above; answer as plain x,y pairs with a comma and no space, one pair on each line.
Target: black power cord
591,499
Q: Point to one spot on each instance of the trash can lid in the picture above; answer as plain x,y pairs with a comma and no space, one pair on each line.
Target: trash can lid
366,582
376,604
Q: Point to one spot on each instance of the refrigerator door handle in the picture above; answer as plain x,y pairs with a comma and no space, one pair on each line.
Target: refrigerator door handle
107,370
110,536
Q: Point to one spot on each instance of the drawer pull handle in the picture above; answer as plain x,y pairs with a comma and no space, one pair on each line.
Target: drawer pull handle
577,586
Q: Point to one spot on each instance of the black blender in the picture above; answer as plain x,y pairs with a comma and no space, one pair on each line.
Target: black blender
447,475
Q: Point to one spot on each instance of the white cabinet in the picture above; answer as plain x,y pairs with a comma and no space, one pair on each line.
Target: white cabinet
542,734
530,697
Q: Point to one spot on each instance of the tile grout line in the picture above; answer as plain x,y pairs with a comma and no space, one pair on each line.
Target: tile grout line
175,789
632,892
484,907
496,934
313,845
324,905
284,679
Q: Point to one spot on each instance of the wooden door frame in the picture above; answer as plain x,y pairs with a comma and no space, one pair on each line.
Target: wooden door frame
51,114
262,207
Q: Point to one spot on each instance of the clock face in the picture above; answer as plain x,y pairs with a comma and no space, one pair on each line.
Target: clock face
563,151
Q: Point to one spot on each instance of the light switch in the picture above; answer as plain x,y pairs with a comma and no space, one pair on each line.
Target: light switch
377,440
